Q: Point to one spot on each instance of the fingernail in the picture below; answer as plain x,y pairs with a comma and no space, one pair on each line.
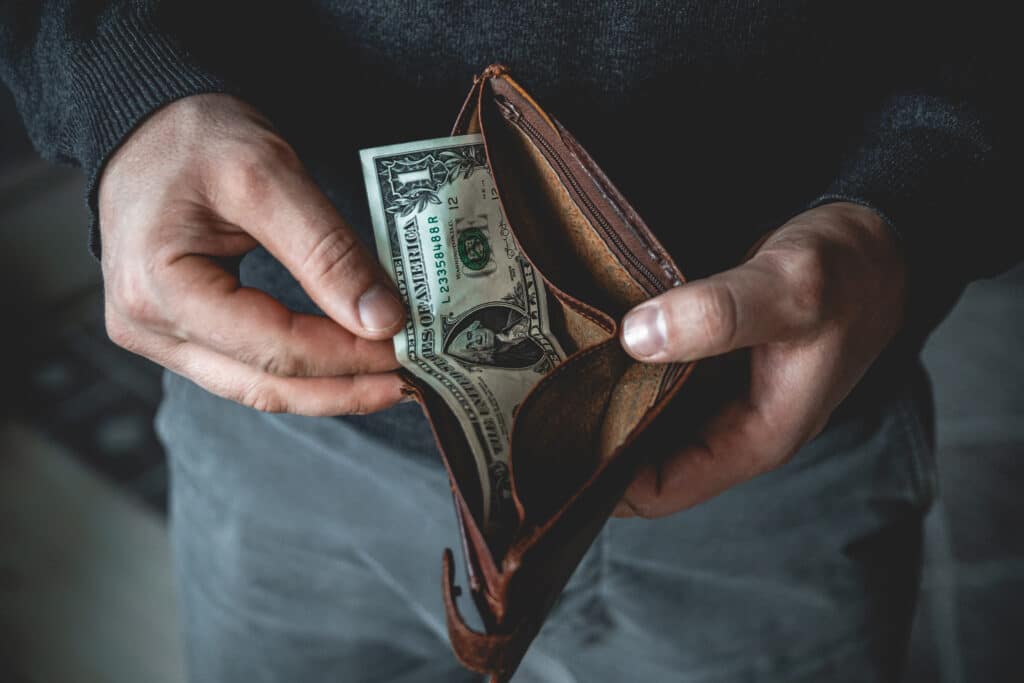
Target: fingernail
379,308
643,330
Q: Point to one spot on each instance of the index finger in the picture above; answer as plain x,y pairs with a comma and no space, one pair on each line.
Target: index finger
208,306
270,195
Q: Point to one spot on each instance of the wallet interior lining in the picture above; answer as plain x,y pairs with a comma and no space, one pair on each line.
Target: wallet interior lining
553,232
591,404
572,328
583,415
633,395
557,434
589,408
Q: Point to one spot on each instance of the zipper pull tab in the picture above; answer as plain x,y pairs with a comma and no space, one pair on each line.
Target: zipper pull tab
493,71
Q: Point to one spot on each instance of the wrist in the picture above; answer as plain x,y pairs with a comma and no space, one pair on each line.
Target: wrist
122,74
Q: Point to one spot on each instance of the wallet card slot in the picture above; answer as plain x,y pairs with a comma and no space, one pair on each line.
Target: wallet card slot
628,239
631,399
555,439
551,229
574,326
574,421
646,279
457,455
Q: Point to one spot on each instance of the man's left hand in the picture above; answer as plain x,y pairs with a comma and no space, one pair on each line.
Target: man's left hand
815,305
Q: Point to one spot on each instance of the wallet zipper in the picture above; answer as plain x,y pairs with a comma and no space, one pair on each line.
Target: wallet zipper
516,118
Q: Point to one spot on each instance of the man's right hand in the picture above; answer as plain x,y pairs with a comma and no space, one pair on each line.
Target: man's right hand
206,178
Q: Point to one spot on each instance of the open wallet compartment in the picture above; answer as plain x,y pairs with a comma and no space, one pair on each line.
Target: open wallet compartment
578,437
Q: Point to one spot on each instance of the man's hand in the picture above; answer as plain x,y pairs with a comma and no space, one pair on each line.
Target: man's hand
205,178
815,305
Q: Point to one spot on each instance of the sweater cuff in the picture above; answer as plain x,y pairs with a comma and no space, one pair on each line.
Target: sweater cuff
927,166
124,73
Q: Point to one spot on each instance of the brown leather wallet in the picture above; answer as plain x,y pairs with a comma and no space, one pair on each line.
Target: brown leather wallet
580,435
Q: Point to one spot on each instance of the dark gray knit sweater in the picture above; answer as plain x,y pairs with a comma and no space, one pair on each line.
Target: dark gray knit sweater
718,120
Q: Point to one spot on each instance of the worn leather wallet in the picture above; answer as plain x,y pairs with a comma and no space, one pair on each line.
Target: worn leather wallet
581,434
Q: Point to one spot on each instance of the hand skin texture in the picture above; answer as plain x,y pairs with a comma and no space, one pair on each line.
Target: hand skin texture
813,306
206,179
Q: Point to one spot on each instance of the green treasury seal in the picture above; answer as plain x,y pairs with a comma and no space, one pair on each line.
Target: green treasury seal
474,249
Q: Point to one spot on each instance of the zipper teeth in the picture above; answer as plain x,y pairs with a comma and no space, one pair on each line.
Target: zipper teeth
597,217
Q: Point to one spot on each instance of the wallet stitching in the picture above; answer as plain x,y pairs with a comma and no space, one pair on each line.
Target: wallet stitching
584,310
513,115
602,188
610,196
599,318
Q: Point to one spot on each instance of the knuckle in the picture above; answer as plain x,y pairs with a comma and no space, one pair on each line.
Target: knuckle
259,396
357,406
808,283
331,254
283,354
252,166
716,307
135,306
247,176
282,364
130,296
120,332
272,151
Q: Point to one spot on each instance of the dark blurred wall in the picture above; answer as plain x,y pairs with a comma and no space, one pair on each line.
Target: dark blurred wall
44,260
45,267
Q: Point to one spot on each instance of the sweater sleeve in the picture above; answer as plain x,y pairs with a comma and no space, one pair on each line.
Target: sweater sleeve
85,73
933,160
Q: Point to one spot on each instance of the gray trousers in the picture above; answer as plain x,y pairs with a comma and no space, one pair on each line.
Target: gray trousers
309,550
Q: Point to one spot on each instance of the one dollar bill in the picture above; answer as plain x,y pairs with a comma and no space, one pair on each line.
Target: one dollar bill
478,330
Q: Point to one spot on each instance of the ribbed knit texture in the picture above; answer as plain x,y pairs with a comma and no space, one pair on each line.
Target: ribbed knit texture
94,78
116,80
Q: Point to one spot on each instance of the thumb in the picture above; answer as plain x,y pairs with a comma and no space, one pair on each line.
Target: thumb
751,304
273,198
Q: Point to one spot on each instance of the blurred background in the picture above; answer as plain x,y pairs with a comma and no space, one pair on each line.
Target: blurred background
86,592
